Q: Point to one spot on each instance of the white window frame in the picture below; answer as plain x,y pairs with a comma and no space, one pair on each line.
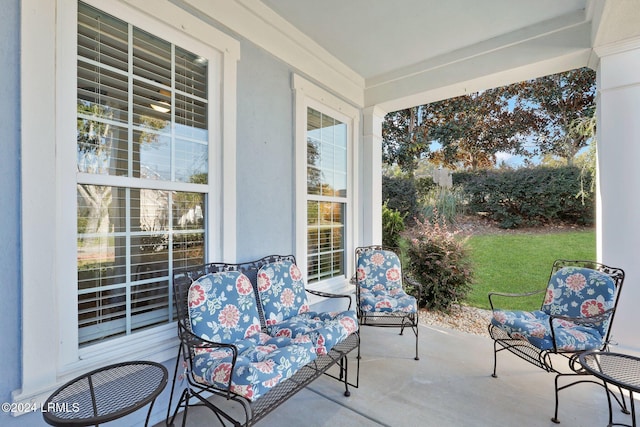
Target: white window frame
48,114
309,95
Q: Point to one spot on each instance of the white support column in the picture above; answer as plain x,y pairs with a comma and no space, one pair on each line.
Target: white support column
618,216
371,179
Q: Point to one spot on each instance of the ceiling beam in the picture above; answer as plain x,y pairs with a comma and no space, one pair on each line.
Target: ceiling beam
525,54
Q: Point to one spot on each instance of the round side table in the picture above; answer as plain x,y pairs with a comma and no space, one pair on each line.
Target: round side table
621,370
106,394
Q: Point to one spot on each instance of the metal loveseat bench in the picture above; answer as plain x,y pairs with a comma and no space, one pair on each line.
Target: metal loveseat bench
247,335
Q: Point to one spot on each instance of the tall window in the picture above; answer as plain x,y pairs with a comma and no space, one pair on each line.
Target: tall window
142,173
326,195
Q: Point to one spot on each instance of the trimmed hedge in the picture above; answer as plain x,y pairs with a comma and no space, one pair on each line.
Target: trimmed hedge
528,196
400,194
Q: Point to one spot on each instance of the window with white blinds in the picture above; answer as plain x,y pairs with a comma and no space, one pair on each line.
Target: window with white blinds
326,196
142,173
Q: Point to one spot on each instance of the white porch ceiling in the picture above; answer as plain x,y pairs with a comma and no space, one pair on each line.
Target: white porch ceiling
393,54
376,37
416,51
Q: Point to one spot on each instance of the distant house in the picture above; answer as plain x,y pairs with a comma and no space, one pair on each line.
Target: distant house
140,136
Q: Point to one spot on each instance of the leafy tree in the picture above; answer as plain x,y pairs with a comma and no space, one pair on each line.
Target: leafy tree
587,162
470,128
473,128
405,138
564,104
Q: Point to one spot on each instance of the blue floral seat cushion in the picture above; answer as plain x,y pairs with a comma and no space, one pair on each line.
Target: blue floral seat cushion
580,292
573,292
281,290
324,329
534,327
286,309
262,363
222,308
379,276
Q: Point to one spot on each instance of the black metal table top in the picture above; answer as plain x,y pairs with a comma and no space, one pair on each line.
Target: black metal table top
105,394
615,368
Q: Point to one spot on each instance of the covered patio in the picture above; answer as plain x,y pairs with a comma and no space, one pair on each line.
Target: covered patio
268,75
451,385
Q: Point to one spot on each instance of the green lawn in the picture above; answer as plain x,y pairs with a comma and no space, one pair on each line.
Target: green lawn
522,263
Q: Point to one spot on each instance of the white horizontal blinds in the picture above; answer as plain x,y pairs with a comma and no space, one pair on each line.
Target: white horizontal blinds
326,195
142,117
102,94
191,126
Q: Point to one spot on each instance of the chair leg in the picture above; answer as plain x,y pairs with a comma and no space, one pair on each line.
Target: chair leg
184,397
357,383
555,413
173,386
586,379
415,330
495,358
344,367
223,417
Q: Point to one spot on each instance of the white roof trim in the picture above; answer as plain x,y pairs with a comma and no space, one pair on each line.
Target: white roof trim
263,27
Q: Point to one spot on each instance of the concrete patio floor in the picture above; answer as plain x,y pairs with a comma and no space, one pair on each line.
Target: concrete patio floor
450,385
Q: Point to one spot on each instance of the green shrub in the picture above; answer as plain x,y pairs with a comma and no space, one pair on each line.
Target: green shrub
528,196
441,262
424,185
399,193
392,226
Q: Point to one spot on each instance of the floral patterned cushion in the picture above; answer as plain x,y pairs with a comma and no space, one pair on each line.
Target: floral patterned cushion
263,362
286,309
222,308
379,276
572,292
281,291
534,327
580,292
324,329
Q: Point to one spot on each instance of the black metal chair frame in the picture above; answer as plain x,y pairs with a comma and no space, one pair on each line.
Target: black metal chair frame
389,319
544,358
265,404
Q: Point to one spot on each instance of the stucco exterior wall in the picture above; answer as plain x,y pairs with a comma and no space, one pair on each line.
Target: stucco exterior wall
10,204
265,156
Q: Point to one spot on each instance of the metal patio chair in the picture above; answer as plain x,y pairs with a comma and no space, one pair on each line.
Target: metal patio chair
381,294
577,310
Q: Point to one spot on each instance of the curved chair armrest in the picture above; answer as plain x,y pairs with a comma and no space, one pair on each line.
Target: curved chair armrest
192,342
415,283
582,320
512,295
330,295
